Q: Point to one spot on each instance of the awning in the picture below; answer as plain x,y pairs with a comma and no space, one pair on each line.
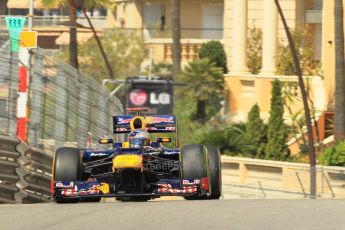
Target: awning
82,37
24,4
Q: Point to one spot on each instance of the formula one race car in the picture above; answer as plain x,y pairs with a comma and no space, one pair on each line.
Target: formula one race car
138,169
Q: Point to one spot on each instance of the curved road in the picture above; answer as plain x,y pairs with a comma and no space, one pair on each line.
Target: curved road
178,214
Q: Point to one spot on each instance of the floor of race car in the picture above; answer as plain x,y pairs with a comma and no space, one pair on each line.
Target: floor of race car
163,198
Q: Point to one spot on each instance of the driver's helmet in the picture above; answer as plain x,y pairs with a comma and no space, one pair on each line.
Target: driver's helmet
139,138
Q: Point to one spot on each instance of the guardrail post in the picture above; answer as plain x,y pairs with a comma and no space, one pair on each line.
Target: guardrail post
60,109
35,94
328,183
262,189
301,184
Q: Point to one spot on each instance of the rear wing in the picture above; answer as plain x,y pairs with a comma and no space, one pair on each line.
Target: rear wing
154,123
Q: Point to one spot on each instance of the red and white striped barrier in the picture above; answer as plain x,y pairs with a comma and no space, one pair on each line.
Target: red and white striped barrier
22,94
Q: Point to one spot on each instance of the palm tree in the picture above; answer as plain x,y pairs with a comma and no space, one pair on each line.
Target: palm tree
72,6
176,34
205,82
230,140
339,116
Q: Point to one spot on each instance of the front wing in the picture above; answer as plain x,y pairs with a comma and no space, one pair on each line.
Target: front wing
80,189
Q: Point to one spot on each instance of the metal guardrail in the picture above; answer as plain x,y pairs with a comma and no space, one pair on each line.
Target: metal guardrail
25,172
254,178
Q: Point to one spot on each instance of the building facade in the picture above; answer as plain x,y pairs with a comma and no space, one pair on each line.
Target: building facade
225,20
229,21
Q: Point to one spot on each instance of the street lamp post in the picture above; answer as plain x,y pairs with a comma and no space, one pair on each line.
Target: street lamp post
31,14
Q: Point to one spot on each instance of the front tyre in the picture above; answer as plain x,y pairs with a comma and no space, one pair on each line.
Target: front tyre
194,164
67,167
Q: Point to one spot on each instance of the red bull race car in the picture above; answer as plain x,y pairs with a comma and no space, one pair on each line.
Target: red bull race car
139,169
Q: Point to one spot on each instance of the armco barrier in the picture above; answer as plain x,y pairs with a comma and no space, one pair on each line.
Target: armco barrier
253,178
25,172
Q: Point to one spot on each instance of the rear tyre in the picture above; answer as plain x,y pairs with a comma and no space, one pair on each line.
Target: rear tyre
67,167
194,164
215,172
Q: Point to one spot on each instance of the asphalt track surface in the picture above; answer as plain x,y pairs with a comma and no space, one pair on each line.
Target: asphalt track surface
179,214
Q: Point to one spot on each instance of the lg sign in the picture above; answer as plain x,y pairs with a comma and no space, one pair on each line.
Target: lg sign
153,94
138,97
162,98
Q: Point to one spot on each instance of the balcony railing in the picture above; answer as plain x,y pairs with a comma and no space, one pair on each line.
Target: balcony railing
189,48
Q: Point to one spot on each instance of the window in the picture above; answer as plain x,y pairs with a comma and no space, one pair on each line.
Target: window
154,19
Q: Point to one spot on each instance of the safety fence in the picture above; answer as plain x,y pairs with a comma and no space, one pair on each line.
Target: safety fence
25,172
64,106
252,178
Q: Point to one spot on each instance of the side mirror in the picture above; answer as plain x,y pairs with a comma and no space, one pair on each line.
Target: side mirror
105,141
163,139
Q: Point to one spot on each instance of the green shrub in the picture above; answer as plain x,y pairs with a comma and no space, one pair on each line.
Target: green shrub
230,140
276,148
305,48
254,50
256,131
334,156
214,52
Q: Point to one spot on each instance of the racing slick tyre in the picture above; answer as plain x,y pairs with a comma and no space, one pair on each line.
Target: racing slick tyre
66,167
214,164
194,164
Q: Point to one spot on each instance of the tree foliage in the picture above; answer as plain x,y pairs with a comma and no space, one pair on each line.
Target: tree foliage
254,50
334,155
214,52
276,148
256,131
125,53
231,140
86,4
305,47
205,82
161,69
176,36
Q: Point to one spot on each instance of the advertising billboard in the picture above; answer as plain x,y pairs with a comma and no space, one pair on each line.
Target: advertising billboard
155,94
